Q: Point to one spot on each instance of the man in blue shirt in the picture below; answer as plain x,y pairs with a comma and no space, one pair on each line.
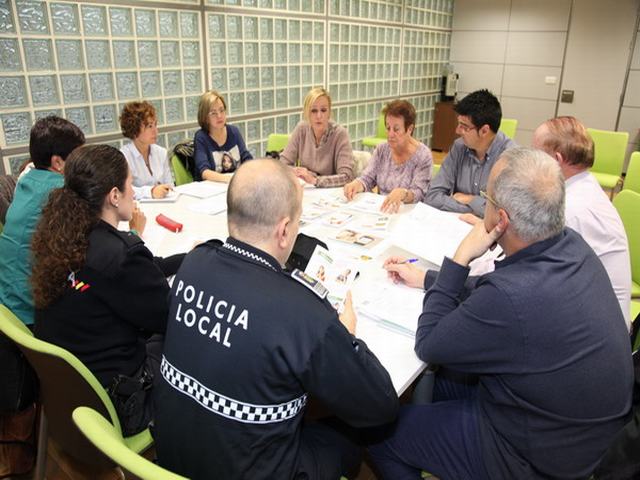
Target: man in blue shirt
535,358
465,170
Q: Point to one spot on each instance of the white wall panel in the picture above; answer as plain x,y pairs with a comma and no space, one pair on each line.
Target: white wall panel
486,47
529,82
535,48
539,15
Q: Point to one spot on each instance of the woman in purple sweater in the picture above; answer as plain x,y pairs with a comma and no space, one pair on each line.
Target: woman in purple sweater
400,168
319,149
219,147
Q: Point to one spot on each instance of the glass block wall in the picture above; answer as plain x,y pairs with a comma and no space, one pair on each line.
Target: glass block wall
84,60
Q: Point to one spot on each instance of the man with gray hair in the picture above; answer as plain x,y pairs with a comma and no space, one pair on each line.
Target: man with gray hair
535,376
248,344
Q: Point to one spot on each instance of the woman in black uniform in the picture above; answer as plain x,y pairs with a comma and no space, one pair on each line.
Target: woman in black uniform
98,291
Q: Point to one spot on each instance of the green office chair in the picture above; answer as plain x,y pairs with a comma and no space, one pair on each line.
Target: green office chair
627,202
508,126
66,383
632,178
381,134
610,148
180,173
106,438
277,141
435,168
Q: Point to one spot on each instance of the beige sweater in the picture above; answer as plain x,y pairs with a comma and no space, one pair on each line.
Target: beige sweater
332,160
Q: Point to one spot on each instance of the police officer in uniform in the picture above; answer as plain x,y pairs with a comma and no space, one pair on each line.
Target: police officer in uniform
248,344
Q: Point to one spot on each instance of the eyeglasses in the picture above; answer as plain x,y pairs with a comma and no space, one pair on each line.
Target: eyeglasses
217,113
466,128
488,197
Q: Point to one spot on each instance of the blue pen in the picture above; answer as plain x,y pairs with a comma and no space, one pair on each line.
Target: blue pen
410,260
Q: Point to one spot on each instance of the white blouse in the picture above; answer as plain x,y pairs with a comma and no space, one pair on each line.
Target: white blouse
143,179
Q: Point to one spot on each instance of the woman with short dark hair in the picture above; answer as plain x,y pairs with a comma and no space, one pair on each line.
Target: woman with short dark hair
52,140
401,167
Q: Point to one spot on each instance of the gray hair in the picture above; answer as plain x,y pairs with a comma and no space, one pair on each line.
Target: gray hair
531,190
261,193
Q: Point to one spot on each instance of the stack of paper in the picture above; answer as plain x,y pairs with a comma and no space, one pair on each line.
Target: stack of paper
202,189
210,206
430,233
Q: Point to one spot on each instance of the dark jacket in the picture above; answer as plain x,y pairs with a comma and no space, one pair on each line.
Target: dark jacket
110,306
547,338
245,348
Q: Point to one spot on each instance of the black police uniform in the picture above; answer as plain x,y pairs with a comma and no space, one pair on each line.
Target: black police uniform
111,306
246,345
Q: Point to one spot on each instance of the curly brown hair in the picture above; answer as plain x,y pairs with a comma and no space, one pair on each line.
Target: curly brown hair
59,244
134,115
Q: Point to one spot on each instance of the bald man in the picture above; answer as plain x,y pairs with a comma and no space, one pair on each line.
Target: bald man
248,344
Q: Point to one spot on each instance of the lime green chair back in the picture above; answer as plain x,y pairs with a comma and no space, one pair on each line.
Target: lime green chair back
435,168
508,126
66,383
109,441
632,178
609,148
627,202
180,173
381,134
276,142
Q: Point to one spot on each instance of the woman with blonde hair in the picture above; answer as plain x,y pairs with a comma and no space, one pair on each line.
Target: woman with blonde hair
215,139
148,161
319,149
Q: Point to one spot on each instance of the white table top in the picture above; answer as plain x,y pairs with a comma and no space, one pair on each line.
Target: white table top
394,350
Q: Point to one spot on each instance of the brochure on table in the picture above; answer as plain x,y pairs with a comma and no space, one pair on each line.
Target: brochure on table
335,272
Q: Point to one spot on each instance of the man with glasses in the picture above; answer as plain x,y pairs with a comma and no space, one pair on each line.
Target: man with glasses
535,363
465,170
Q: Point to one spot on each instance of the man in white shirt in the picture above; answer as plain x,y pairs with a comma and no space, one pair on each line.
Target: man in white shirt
588,210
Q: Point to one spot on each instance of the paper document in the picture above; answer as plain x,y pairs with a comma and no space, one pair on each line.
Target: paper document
331,201
430,233
304,184
202,189
377,223
395,306
367,202
171,196
334,272
356,238
210,206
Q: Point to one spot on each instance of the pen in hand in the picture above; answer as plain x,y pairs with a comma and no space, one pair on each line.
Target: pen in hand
410,260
